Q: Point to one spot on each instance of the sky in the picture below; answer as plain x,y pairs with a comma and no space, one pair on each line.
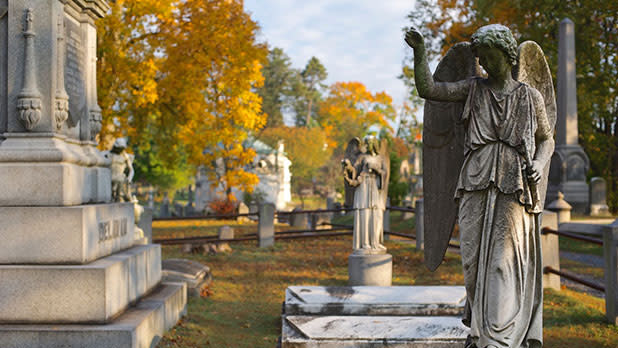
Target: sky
356,40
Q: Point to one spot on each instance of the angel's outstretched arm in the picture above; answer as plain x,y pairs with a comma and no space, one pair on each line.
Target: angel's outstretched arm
428,88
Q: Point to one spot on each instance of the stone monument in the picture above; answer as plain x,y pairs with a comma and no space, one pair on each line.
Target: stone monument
71,272
569,163
488,142
366,173
598,197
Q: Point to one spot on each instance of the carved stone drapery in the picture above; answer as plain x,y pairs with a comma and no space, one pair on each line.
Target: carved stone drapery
61,112
29,99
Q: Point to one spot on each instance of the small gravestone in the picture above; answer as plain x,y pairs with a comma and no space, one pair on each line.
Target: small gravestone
165,207
299,219
179,210
243,209
226,232
598,194
194,274
266,225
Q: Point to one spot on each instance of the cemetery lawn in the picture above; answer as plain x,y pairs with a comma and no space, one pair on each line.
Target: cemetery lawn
244,302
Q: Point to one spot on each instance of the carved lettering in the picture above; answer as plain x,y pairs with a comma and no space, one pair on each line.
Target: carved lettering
74,72
113,229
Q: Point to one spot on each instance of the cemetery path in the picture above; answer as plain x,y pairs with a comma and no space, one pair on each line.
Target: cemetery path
592,260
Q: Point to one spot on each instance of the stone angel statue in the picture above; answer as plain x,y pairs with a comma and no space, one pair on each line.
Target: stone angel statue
488,139
366,174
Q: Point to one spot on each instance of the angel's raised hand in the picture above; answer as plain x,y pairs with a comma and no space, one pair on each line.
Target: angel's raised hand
414,38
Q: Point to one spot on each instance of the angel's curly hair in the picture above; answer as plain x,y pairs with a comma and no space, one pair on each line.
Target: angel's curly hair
499,36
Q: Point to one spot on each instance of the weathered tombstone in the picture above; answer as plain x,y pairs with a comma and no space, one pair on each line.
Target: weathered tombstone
598,197
179,209
562,208
569,163
266,225
299,219
610,254
151,198
407,215
59,226
165,206
226,232
194,274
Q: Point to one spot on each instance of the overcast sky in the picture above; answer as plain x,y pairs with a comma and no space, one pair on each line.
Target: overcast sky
356,40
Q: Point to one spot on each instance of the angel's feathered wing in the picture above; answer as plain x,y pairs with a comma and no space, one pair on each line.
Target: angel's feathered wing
443,138
351,153
533,70
386,160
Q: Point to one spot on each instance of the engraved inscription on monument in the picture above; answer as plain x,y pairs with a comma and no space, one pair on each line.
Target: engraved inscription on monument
112,229
74,72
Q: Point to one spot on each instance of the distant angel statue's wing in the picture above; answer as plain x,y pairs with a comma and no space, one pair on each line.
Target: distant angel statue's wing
351,153
386,160
533,70
443,137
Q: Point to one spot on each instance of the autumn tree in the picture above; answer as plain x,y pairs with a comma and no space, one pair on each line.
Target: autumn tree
307,150
179,78
596,40
350,109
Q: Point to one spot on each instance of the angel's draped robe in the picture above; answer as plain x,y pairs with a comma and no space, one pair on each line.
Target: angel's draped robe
500,237
369,207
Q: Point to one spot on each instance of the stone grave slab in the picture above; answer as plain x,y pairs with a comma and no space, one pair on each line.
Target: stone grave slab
64,235
90,293
193,273
140,326
373,331
375,300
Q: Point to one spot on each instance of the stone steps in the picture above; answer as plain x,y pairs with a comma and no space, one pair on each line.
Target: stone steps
90,293
140,326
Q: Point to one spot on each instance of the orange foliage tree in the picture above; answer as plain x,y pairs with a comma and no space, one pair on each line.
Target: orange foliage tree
179,77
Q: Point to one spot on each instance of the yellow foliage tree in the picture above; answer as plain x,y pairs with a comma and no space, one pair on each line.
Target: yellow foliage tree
182,74
350,109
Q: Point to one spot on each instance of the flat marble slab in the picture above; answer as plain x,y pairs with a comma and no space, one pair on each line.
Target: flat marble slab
373,331
375,300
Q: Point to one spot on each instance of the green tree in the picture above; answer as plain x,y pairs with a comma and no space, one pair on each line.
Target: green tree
307,91
596,41
278,75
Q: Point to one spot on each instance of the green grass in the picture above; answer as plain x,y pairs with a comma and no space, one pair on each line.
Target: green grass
244,305
581,247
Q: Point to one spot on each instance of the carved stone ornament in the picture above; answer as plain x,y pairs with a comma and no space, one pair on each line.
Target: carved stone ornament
95,119
29,99
61,112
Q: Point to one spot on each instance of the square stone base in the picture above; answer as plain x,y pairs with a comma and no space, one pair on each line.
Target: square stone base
92,293
370,269
64,235
139,327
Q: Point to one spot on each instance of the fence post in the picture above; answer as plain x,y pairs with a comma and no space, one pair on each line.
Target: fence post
562,208
420,224
266,225
386,219
610,254
550,250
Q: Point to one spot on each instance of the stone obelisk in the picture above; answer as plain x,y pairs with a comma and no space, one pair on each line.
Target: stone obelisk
72,273
569,163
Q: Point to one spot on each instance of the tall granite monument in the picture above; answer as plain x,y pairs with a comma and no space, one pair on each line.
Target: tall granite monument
71,273
569,163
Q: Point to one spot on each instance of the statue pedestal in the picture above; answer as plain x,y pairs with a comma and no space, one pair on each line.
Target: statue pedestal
370,269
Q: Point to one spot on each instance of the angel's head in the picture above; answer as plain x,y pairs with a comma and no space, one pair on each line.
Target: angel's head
491,40
371,145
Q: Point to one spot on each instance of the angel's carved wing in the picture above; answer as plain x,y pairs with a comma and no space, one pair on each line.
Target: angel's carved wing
443,138
532,69
352,152
386,162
